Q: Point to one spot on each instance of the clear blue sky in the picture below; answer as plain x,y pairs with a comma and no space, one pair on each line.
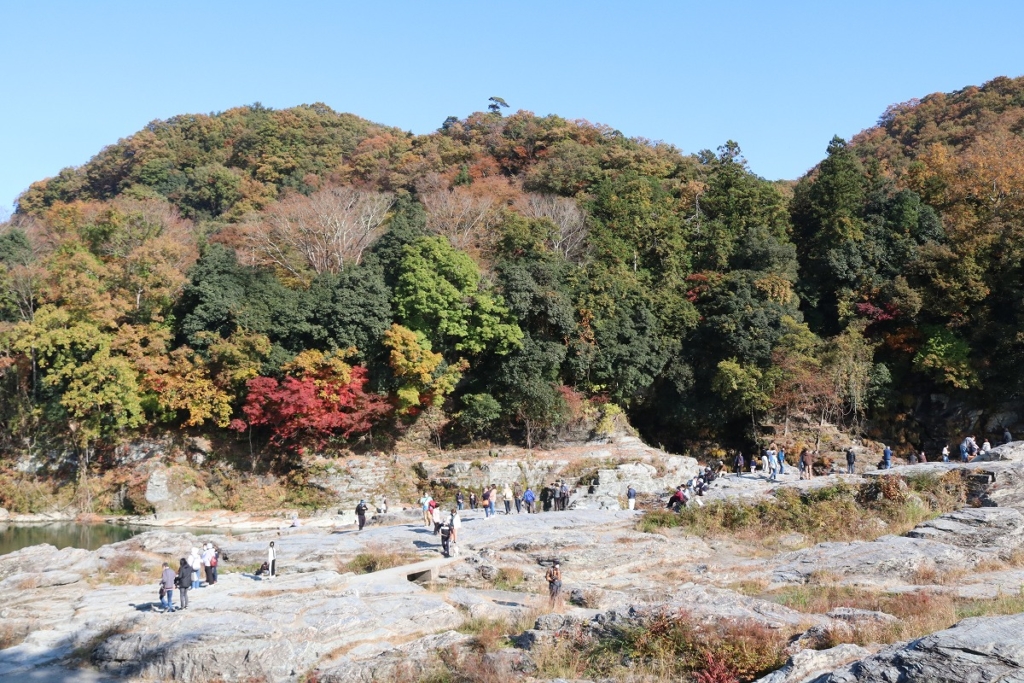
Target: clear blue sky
778,77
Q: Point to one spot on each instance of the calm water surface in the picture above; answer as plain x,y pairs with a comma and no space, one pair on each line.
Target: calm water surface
73,535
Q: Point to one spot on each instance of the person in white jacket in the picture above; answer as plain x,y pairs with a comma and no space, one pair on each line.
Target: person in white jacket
272,559
207,558
196,562
455,522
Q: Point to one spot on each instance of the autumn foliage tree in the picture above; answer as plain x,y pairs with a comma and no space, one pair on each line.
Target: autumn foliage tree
320,399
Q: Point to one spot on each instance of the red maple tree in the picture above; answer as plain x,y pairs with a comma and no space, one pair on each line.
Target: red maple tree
310,410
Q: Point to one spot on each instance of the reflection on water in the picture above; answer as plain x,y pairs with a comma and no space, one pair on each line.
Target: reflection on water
63,535
73,535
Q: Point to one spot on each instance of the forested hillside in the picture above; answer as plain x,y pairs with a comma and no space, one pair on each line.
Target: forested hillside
307,278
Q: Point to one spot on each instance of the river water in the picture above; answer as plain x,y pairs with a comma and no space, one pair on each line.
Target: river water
72,535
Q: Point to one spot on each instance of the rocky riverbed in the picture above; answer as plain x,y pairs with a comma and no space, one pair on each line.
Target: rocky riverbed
74,615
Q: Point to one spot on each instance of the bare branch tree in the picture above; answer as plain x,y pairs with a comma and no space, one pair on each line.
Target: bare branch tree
459,215
323,232
570,239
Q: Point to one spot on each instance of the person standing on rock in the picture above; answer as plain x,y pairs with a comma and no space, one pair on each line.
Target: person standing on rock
506,496
565,493
517,494
459,499
361,514
851,460
425,503
485,500
167,577
554,578
184,581
529,498
972,448
631,497
887,458
455,522
738,464
472,500
782,459
196,562
446,538
945,453
272,559
207,558
492,497
807,464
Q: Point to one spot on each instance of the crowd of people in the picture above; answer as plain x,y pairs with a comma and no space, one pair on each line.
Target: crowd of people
198,570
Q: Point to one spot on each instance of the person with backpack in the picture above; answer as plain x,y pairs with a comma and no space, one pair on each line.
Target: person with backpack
167,581
361,513
214,561
485,500
631,497
529,498
184,581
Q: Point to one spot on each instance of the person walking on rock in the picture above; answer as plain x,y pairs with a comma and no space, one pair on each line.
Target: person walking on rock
851,460
361,514
631,497
437,516
554,578
782,460
517,494
272,559
167,577
887,458
184,581
446,538
529,498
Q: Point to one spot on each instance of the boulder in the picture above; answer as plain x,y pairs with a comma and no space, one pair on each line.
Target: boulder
4,515
807,664
980,650
1013,451
884,561
983,528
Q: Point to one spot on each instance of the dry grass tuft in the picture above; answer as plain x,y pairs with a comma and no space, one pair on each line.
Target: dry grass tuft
375,558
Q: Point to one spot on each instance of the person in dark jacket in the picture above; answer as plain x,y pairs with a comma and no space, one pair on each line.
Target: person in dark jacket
851,460
184,581
361,514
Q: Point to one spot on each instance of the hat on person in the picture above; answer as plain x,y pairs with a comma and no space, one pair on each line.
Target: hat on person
195,551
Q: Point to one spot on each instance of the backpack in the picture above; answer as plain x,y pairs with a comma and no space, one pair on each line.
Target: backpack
486,496
213,560
446,531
